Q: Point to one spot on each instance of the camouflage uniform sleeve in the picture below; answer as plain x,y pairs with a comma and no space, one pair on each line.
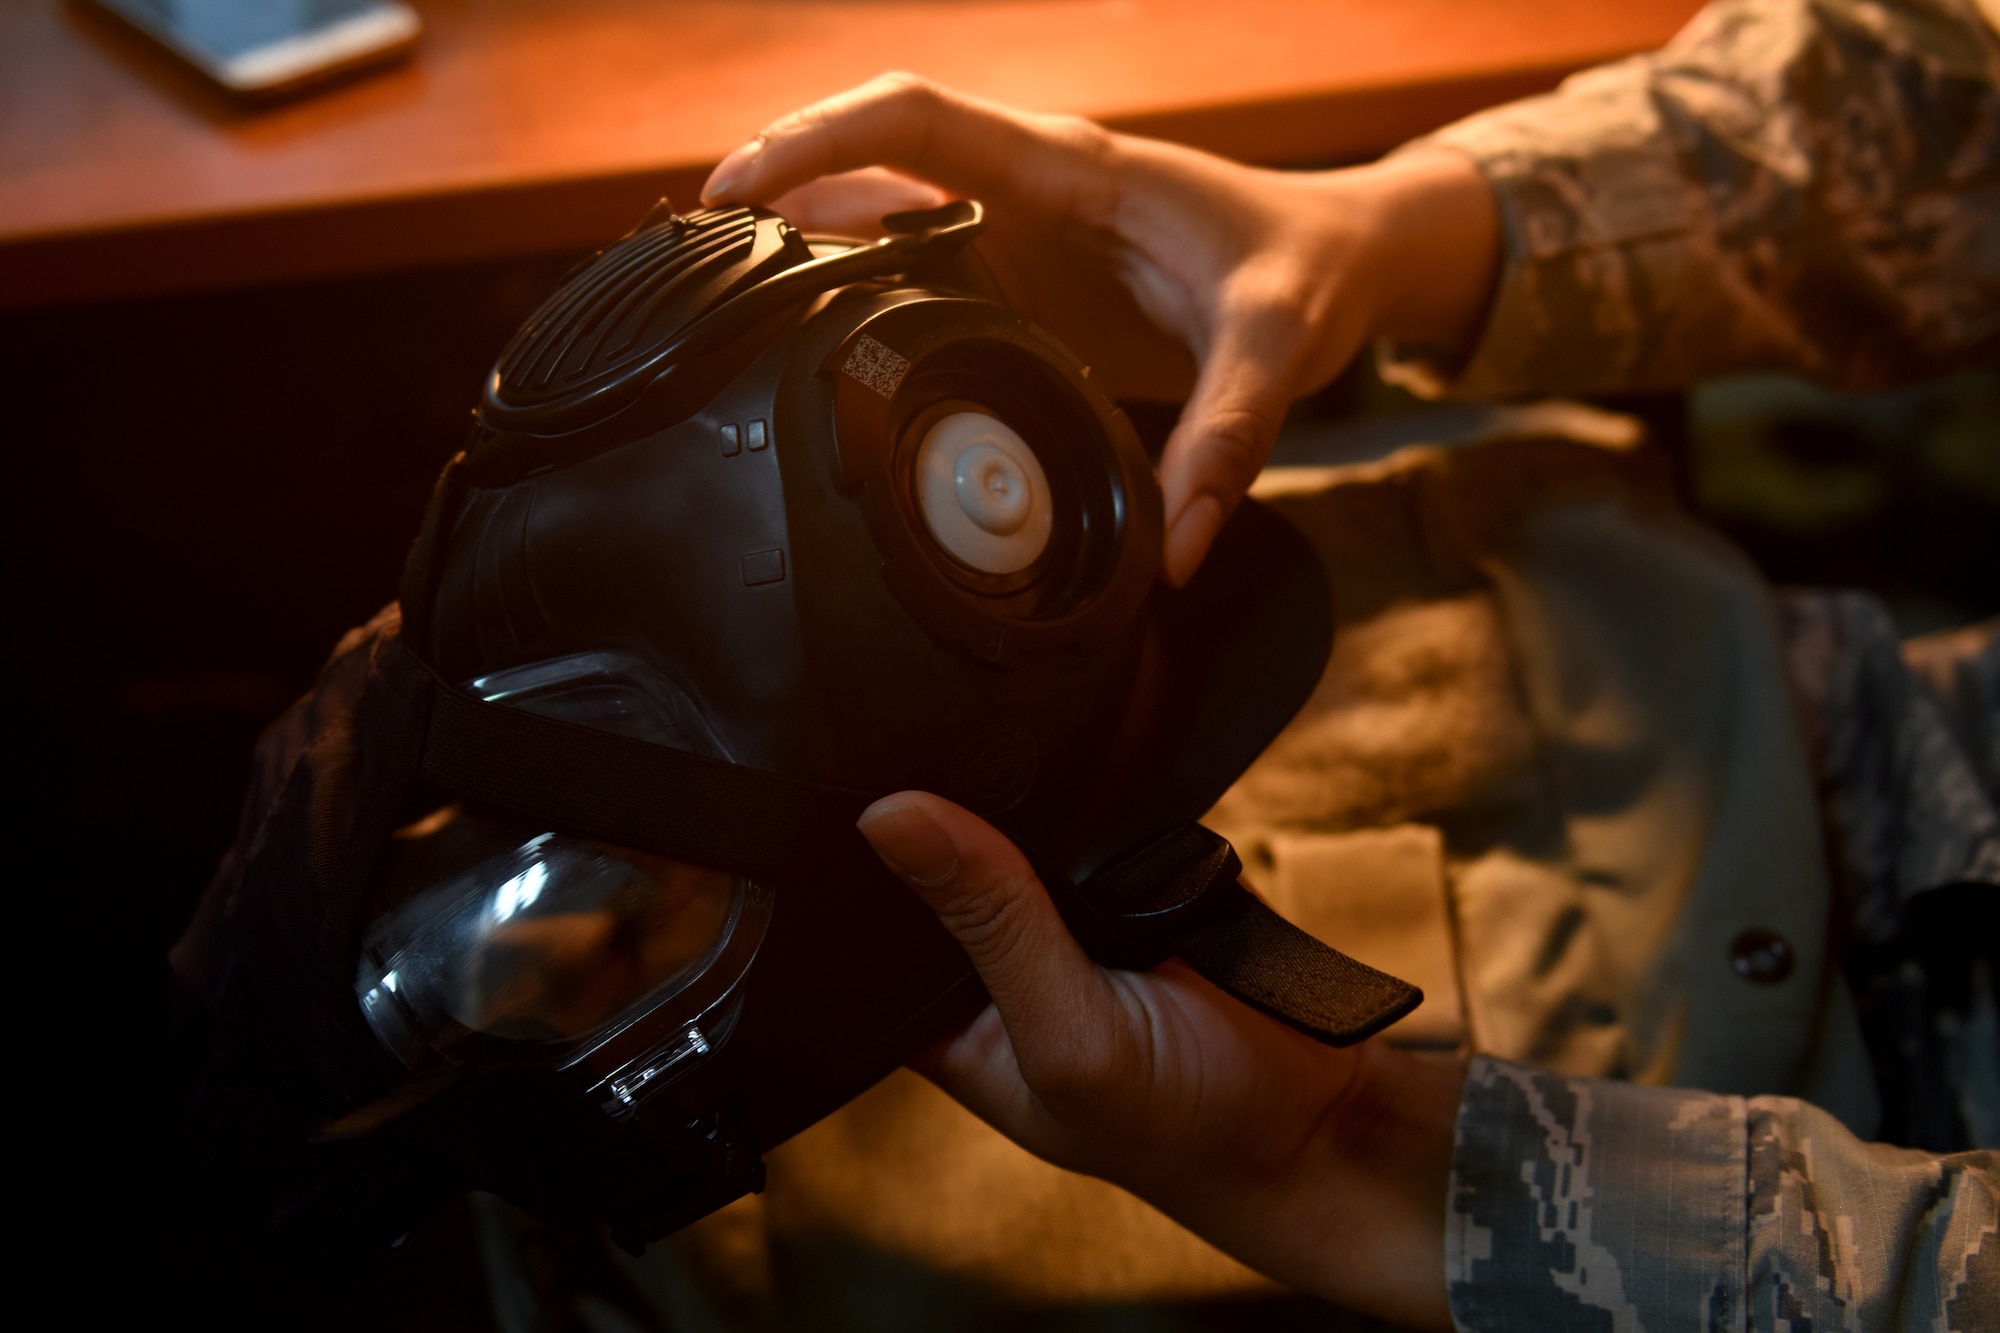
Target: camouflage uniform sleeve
1585,1204
1801,185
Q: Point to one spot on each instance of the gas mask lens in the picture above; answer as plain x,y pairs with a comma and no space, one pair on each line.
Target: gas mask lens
541,941
495,935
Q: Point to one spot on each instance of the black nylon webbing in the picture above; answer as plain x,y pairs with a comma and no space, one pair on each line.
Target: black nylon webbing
629,791
1271,965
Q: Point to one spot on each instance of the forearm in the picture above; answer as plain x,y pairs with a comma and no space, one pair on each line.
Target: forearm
1791,184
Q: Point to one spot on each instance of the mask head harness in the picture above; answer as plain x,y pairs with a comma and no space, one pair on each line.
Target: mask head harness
752,528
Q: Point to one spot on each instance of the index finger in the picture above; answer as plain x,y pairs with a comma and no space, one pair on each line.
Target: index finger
963,144
1224,435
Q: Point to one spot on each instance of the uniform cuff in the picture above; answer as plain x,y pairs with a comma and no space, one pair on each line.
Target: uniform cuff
1596,222
1574,1195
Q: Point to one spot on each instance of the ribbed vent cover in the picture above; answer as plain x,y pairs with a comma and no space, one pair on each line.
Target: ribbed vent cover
611,319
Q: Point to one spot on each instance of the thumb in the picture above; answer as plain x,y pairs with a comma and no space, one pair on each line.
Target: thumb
985,894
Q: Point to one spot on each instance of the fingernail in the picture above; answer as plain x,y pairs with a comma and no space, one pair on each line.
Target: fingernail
1189,536
910,841
731,172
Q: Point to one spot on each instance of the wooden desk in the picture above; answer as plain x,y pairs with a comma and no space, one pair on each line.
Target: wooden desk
535,125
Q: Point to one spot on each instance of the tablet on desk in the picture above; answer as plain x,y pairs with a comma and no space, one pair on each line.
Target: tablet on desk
268,48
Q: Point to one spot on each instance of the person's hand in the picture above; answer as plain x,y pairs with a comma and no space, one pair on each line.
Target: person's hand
1170,272
1325,1169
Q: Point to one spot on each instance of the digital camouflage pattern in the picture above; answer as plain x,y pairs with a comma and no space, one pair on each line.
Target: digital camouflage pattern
1583,1204
1788,185
1880,736
1909,803
1811,186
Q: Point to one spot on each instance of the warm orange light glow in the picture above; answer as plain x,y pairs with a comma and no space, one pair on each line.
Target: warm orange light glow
524,125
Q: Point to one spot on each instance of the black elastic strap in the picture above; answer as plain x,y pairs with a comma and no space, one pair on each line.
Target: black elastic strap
629,791
1181,889
1274,967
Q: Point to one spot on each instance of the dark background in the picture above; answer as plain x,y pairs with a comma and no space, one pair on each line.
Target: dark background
207,491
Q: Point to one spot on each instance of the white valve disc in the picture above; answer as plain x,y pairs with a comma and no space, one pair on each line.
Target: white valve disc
983,493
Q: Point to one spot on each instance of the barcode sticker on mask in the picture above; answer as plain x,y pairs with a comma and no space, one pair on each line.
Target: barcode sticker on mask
876,366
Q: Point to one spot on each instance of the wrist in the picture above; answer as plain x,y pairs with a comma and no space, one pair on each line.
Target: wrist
1359,1217
1435,242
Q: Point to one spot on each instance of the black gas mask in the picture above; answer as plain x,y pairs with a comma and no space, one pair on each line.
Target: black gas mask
753,528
